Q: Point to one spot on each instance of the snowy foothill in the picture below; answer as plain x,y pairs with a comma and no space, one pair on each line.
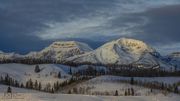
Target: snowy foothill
100,88
22,73
49,72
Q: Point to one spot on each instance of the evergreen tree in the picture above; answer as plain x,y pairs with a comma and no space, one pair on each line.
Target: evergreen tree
116,93
129,92
162,85
75,90
176,89
59,75
70,71
69,92
132,91
7,80
48,87
37,69
36,85
16,83
132,81
9,90
125,93
2,79
52,90
39,86
27,84
56,86
30,84
151,90
22,85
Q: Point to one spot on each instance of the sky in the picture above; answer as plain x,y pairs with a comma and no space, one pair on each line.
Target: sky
31,25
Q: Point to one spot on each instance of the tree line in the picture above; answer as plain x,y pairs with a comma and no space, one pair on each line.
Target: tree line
155,85
35,85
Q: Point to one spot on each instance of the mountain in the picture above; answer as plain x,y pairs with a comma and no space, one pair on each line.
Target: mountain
4,56
174,59
60,50
121,51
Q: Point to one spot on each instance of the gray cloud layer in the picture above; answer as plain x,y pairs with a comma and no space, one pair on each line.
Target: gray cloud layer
32,24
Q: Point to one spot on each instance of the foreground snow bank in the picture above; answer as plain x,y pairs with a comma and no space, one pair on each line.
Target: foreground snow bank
20,94
62,97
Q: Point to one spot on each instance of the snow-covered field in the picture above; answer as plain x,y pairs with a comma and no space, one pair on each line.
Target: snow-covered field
98,85
107,85
31,95
65,97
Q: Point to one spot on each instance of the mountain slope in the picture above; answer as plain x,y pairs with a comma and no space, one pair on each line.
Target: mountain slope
121,51
4,56
174,59
60,50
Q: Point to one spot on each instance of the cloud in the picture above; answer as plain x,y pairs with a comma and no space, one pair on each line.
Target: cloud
77,28
163,25
112,19
42,21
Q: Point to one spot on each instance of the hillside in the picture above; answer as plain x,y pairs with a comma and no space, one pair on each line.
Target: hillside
23,73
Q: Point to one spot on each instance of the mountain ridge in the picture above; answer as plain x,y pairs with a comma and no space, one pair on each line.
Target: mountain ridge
120,51
114,51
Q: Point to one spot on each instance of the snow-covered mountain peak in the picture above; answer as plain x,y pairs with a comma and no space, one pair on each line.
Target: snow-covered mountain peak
132,46
70,44
60,50
120,51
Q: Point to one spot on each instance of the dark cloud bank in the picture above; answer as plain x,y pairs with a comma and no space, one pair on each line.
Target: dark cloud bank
24,23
